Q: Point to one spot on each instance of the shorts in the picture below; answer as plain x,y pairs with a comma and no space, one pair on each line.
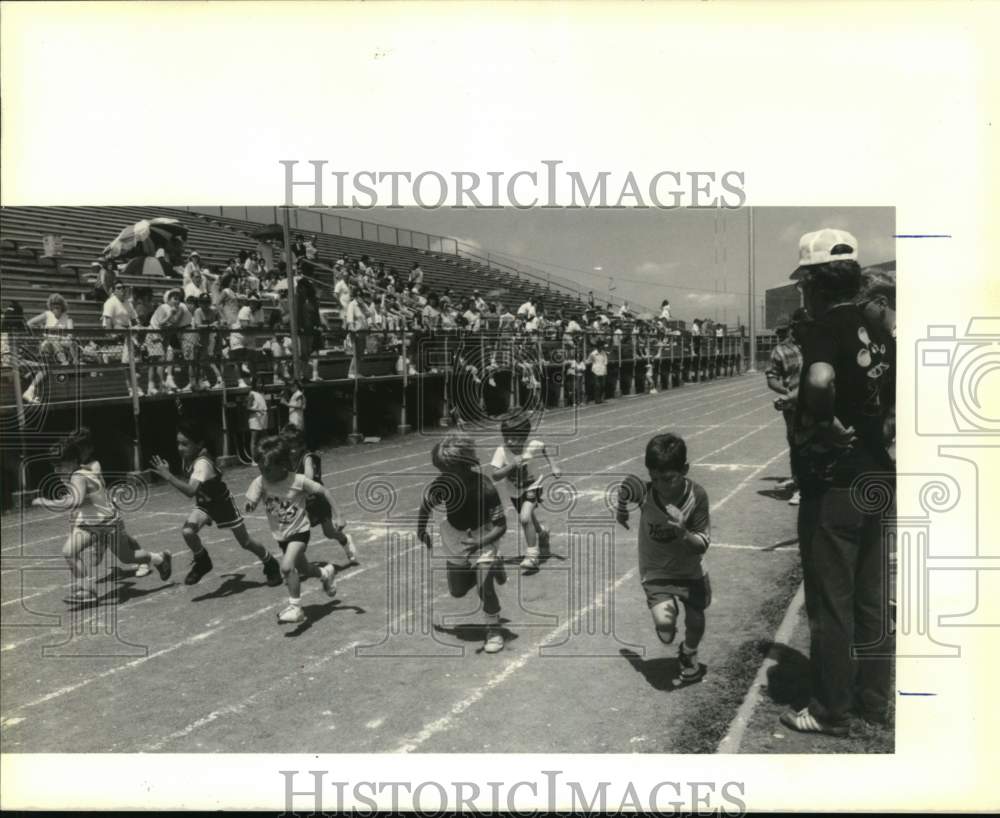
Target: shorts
222,512
154,345
318,508
103,531
190,343
529,495
302,537
462,555
694,592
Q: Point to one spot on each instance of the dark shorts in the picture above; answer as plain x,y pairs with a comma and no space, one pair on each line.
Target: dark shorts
532,495
694,592
223,512
302,537
318,508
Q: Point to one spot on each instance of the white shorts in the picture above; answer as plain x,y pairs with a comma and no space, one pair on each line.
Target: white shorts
461,554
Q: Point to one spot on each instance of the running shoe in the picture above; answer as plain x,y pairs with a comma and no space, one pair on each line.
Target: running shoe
200,566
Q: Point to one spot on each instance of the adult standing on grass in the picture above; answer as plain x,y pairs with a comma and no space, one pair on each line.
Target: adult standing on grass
783,377
838,436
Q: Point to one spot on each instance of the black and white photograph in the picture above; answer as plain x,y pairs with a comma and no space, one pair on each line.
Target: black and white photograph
365,446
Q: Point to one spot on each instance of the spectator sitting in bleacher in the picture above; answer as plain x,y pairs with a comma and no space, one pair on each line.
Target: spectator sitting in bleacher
312,248
449,318
431,313
195,286
193,265
527,309
416,277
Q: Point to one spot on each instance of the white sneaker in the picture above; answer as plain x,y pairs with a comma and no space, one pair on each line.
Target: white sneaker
329,582
143,570
242,384
529,563
29,395
785,485
350,550
494,641
218,385
315,378
150,391
185,388
652,391
291,614
795,499
204,384
169,385
138,393
351,375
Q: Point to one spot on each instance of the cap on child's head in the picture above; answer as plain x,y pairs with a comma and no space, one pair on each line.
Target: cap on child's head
454,451
516,427
666,452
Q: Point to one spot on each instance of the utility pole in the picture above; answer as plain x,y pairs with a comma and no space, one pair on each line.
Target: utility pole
752,276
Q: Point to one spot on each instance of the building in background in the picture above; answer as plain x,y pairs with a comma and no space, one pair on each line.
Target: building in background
781,302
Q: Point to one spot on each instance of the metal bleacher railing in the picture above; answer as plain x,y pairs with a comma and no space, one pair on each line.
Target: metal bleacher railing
92,366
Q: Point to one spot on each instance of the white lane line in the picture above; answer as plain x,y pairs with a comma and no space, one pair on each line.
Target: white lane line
444,723
733,738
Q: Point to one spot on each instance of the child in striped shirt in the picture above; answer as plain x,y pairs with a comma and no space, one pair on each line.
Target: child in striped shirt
674,534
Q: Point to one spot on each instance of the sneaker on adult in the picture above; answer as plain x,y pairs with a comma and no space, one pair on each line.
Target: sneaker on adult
242,384
204,384
803,721
529,564
787,485
200,566
795,499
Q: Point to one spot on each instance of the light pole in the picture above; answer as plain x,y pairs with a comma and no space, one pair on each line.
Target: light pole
751,311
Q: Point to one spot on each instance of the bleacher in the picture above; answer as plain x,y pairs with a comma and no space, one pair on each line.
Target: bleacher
29,278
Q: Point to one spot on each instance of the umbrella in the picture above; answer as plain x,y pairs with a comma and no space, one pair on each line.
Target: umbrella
271,231
144,237
148,266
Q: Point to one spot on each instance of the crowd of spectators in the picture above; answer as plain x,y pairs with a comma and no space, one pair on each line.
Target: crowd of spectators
211,317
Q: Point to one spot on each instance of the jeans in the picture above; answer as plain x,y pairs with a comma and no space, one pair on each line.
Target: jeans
845,574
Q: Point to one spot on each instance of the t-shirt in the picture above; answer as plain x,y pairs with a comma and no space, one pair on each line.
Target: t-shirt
164,316
285,503
527,309
256,411
662,554
526,476
470,504
786,364
119,314
247,318
95,506
296,409
62,322
598,362
861,360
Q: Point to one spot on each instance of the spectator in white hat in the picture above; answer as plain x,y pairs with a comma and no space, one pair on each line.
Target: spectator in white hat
193,265
838,442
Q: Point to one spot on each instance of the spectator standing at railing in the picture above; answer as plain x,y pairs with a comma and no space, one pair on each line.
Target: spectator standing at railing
356,323
243,348
480,303
208,321
342,291
56,344
527,309
471,315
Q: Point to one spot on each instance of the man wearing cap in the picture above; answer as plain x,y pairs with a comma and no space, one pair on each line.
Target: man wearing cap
783,377
842,404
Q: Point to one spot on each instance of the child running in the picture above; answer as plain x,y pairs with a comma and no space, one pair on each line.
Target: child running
96,524
474,523
285,494
212,503
515,461
308,464
674,533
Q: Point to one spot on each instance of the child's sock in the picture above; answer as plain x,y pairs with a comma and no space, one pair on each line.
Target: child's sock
295,601
155,558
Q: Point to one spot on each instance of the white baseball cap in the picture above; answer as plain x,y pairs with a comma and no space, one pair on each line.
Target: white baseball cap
822,246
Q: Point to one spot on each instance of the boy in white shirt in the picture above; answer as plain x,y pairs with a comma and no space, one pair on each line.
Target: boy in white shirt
598,360
516,461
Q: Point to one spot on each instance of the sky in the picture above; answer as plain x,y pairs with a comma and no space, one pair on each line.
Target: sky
696,258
